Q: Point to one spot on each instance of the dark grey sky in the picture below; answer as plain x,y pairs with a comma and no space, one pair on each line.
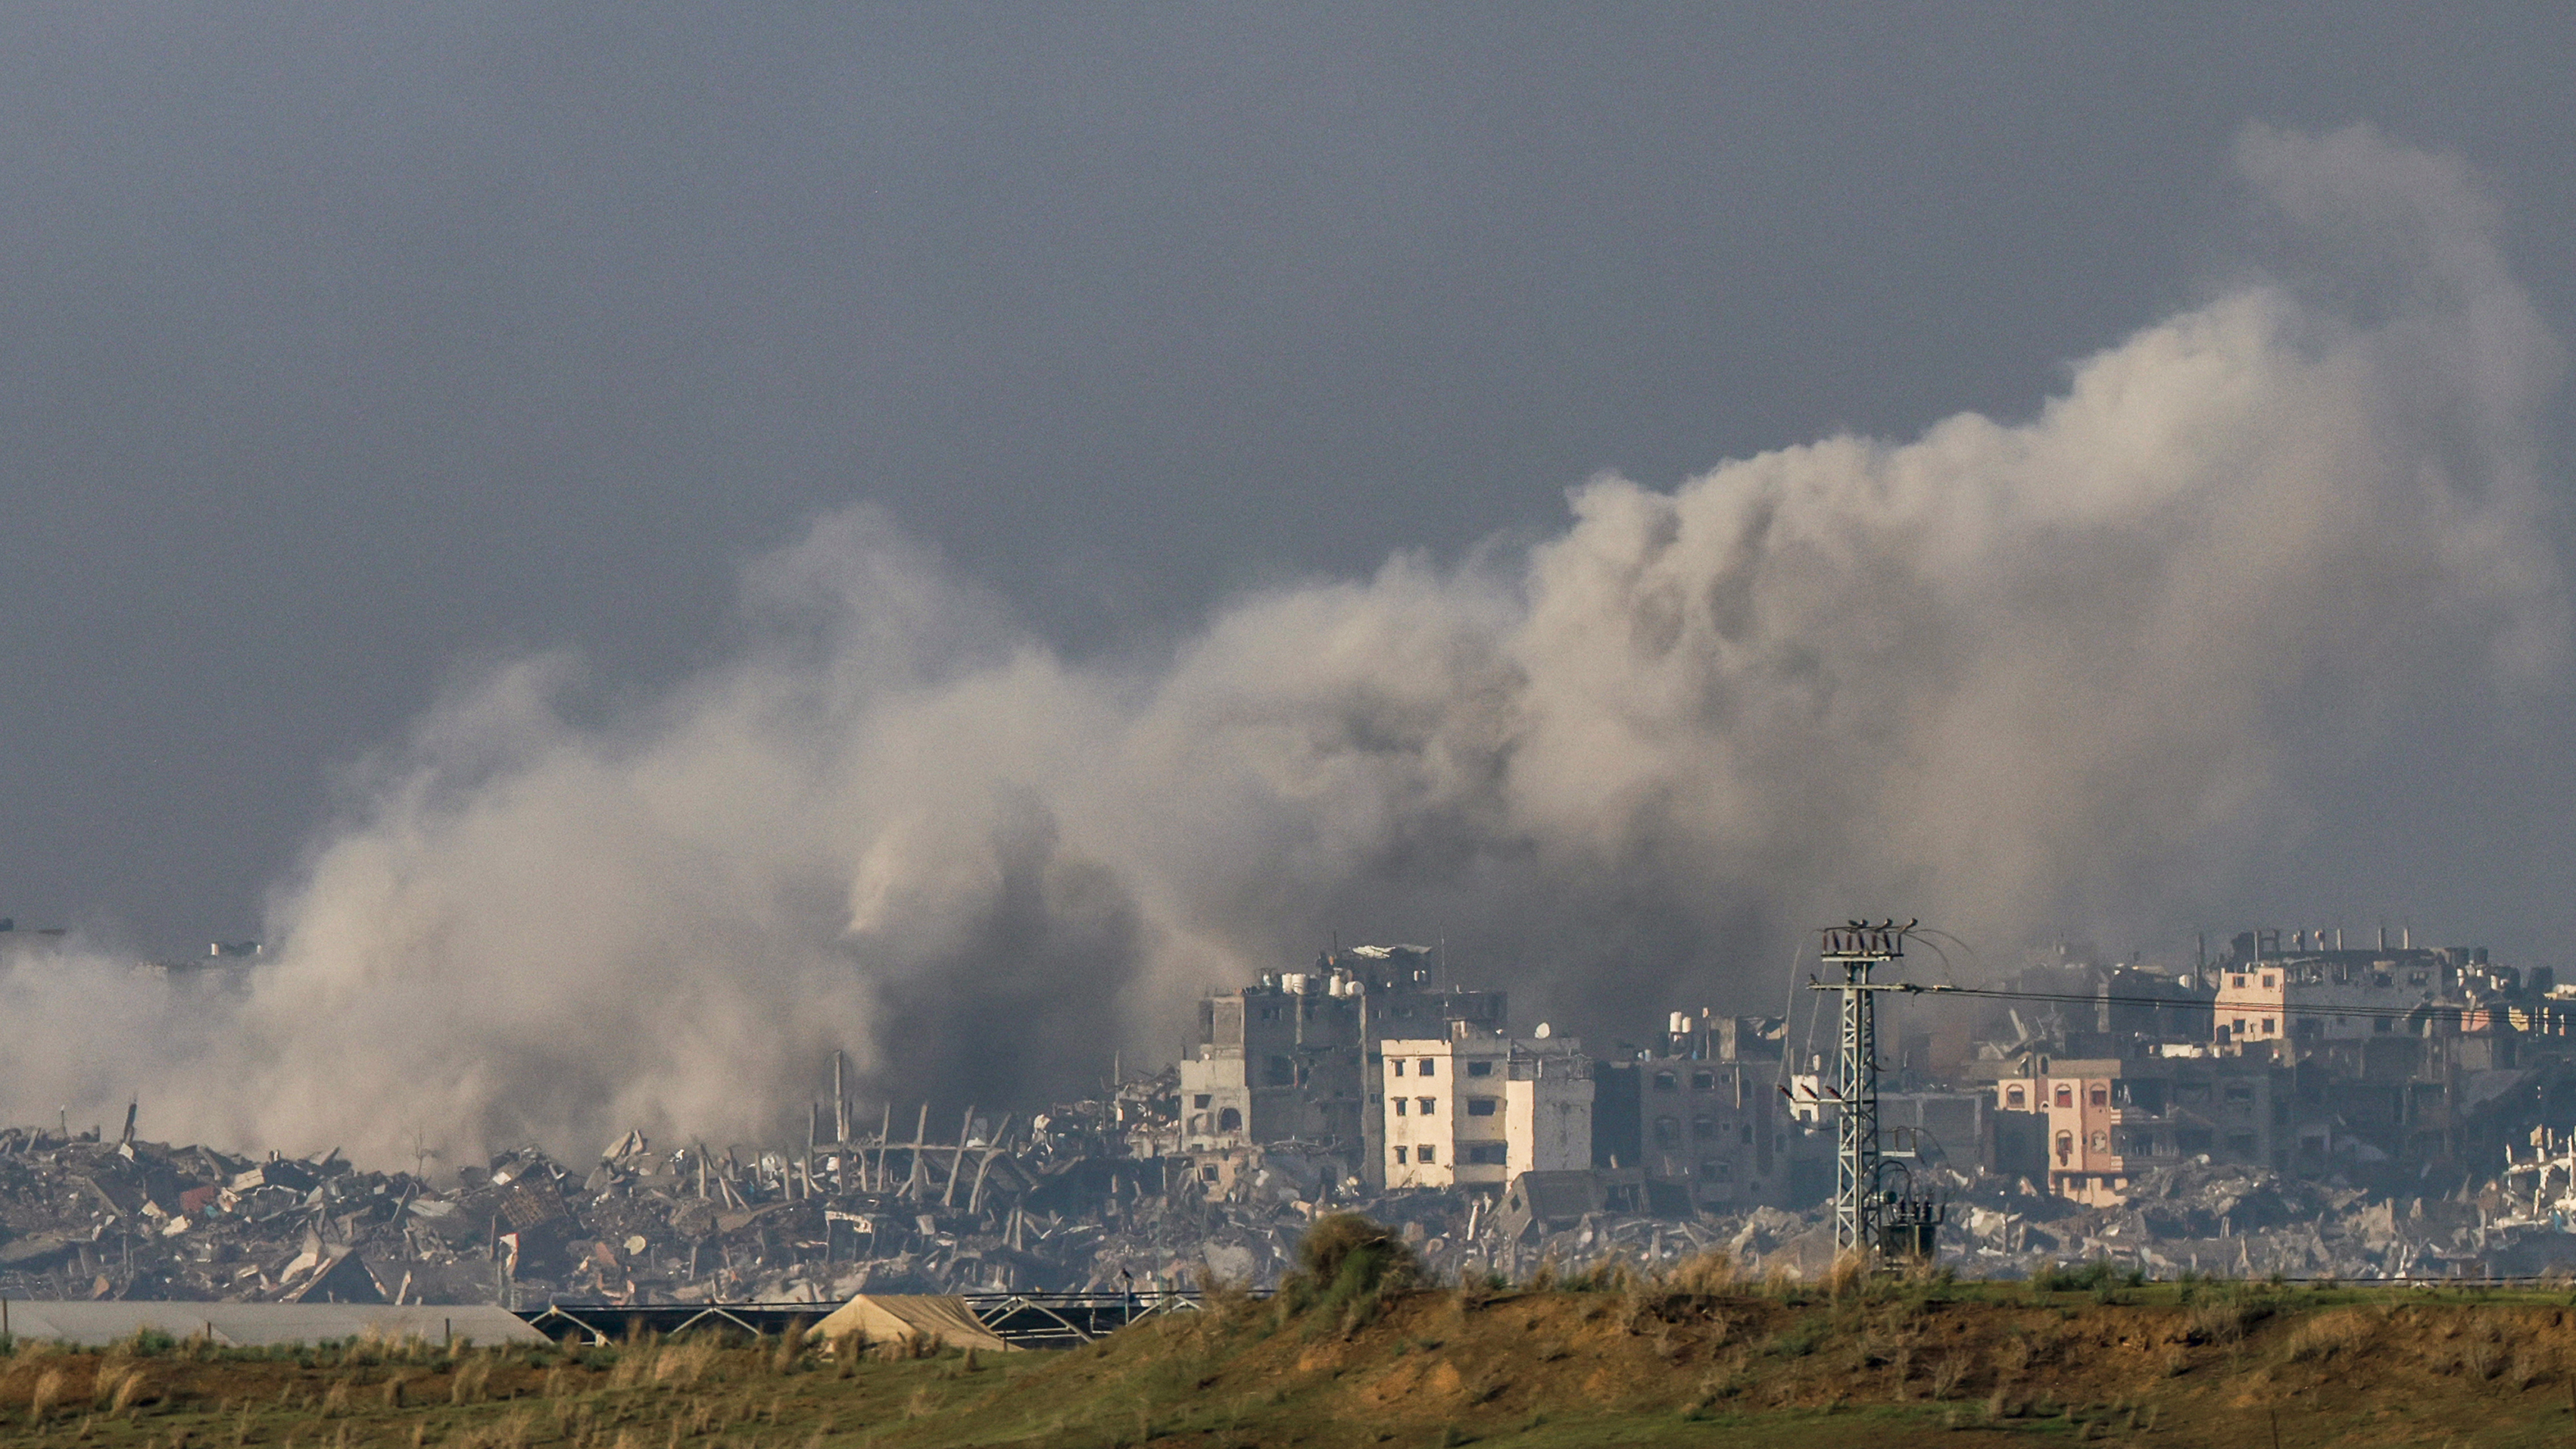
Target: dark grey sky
342,347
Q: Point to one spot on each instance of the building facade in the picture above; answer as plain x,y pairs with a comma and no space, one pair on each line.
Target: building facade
2307,993
2105,1120
1716,1130
1291,1059
1477,1110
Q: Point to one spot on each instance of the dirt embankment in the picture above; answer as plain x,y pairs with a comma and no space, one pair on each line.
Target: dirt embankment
2218,1364
2203,1364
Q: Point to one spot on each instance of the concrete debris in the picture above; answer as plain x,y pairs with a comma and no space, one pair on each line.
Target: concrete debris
2290,1108
1056,1204
2251,1222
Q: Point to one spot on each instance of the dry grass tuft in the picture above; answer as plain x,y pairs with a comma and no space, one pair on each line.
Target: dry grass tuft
634,1365
1850,1270
791,1349
1706,1273
2223,1321
134,1386
684,1364
1226,1304
2321,1338
52,1387
1611,1275
383,1345
473,1381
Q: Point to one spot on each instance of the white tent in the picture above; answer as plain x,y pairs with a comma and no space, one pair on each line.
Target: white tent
892,1317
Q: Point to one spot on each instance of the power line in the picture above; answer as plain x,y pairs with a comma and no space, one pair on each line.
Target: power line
2292,1008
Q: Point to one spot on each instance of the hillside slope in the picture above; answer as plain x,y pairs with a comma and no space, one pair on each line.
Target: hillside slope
1618,1363
1638,1366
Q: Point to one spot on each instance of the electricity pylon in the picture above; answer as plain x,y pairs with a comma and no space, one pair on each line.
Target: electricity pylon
1859,947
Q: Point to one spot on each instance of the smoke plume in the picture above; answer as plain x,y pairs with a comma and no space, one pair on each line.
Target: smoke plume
2005,675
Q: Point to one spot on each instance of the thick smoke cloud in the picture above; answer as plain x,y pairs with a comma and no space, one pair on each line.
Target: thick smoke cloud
2006,676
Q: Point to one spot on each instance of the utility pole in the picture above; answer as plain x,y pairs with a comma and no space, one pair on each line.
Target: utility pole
1858,947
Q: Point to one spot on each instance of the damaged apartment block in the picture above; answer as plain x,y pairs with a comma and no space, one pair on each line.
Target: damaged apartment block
2292,1107
1294,1060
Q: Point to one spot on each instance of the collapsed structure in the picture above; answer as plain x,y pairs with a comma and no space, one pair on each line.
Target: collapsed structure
2292,1107
2376,1068
1296,1059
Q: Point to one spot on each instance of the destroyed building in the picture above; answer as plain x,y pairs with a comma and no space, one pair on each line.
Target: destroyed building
2307,993
2106,1120
2111,1112
1703,1118
1294,1058
2364,1066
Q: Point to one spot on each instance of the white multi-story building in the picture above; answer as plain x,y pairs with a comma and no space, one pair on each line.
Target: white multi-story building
1474,1110
1294,1059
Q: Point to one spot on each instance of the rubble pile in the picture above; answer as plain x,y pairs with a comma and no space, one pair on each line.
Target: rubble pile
2245,1222
1049,1207
1079,1199
85,1218
2221,1221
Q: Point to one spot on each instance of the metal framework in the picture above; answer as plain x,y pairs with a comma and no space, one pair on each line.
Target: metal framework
1023,1320
1868,1215
1069,1320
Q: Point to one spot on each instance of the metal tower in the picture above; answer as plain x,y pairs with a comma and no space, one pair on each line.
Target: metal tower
1859,947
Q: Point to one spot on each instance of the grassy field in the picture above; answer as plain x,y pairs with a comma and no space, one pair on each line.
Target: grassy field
1615,1361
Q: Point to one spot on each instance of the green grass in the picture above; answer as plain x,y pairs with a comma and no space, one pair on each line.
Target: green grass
1613,1362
